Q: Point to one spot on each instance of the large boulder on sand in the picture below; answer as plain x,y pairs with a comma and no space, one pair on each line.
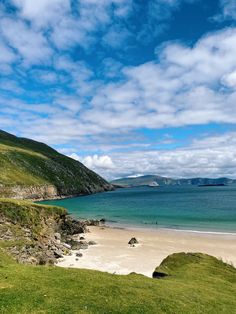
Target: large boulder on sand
133,241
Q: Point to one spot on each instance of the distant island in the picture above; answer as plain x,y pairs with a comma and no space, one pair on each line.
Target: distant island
156,181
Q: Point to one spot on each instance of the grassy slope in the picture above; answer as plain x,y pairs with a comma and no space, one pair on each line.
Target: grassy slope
26,162
196,283
28,215
208,286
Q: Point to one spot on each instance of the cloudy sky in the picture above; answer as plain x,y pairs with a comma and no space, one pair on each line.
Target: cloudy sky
128,87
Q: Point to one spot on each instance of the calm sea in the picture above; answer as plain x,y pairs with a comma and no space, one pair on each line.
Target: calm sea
183,207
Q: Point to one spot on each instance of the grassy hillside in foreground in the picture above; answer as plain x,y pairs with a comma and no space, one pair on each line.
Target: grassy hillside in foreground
150,179
193,283
27,163
198,284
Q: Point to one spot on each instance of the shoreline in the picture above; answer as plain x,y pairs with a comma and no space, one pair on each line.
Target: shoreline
144,228
113,254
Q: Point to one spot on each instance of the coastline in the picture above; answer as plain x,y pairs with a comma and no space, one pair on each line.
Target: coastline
113,254
117,225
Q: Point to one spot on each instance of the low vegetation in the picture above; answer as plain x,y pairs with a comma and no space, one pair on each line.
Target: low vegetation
205,286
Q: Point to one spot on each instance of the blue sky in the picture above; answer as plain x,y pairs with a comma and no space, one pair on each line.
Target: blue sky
128,87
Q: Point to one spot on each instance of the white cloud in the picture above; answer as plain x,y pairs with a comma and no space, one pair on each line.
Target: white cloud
31,45
44,12
184,88
229,80
7,57
213,156
95,162
66,28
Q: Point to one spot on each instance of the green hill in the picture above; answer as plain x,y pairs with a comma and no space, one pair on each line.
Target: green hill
29,169
198,284
155,179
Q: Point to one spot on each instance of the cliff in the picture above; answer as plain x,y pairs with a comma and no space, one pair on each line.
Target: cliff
33,170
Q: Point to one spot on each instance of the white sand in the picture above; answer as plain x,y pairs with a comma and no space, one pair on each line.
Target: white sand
113,254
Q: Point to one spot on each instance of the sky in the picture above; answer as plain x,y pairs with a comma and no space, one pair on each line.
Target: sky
128,87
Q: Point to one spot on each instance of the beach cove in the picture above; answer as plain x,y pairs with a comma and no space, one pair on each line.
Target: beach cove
165,220
113,254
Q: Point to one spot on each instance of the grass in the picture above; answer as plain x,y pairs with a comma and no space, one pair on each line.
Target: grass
27,214
208,286
26,162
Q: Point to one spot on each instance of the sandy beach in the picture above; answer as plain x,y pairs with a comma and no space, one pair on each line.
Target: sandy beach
113,254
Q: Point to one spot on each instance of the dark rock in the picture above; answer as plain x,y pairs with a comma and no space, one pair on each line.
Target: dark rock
159,275
75,245
94,223
71,226
79,254
83,246
42,260
58,253
92,243
133,241
82,238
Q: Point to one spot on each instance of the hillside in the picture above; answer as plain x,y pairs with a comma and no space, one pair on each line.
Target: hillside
33,170
202,285
150,179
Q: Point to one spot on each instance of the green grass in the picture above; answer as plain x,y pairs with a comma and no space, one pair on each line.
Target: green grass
196,283
24,214
208,286
26,162
27,213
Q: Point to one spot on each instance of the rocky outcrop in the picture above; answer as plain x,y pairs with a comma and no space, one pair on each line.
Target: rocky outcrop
42,192
37,234
95,222
45,192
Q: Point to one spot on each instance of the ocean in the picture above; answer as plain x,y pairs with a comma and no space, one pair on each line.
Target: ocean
200,209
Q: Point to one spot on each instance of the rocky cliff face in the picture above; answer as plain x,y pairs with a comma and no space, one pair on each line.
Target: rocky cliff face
39,234
46,192
43,192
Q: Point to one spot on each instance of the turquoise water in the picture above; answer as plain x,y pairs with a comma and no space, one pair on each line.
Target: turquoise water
184,207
